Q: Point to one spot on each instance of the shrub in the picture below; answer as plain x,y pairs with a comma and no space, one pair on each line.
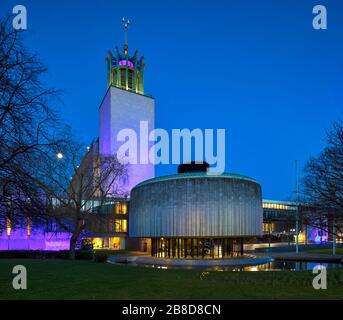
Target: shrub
63,254
84,254
22,254
100,257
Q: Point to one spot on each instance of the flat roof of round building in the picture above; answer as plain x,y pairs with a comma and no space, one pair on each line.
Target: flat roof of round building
190,175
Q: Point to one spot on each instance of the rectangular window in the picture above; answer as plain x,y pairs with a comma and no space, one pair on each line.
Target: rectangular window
120,208
124,208
117,208
120,225
123,77
130,79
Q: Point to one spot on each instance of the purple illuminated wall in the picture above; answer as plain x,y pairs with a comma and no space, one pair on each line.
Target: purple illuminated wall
38,240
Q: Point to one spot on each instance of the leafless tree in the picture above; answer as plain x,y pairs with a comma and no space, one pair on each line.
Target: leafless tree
27,126
79,185
34,181
323,184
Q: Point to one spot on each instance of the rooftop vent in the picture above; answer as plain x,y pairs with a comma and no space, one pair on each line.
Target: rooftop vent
193,167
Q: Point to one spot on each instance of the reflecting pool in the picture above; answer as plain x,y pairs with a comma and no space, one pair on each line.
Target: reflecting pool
275,265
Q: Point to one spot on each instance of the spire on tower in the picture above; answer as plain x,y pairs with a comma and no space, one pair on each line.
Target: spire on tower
126,24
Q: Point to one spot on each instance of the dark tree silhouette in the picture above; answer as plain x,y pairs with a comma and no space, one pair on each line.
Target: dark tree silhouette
27,127
44,172
323,184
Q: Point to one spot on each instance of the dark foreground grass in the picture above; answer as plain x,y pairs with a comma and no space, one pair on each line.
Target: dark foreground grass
58,279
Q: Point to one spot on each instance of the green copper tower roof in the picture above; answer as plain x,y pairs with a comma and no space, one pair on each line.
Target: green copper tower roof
123,70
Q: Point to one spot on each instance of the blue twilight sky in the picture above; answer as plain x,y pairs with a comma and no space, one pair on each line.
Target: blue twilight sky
254,67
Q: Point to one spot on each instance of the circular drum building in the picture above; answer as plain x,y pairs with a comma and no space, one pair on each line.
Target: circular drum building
196,215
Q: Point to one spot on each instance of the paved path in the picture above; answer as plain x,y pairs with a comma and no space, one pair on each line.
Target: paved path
247,260
302,256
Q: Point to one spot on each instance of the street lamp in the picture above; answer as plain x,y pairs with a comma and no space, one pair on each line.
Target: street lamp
59,155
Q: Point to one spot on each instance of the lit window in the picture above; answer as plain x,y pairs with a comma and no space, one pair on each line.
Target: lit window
124,208
97,243
120,225
120,208
117,208
116,243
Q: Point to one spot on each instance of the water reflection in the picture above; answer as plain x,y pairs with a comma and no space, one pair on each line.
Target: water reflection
285,265
270,266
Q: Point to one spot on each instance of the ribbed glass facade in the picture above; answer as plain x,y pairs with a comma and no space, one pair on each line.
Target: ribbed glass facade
194,215
196,206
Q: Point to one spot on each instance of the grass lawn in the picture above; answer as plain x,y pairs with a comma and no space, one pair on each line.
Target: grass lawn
62,279
326,251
